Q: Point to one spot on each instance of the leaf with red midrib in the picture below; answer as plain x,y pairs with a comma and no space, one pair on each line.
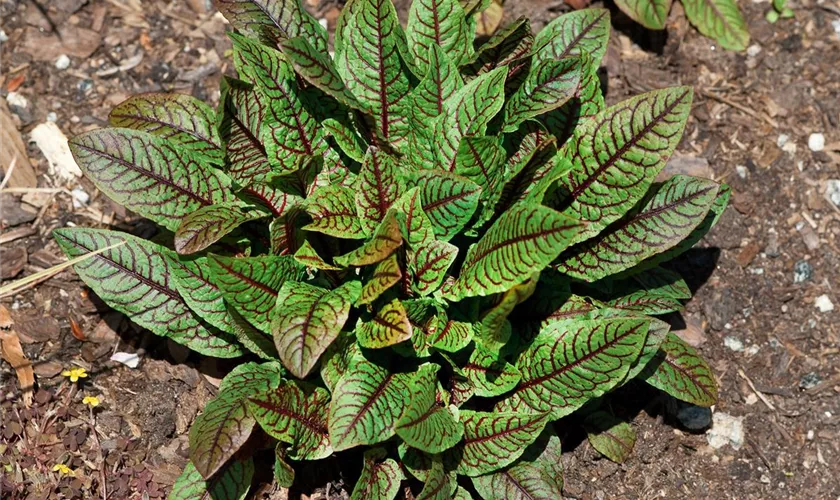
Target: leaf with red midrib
389,326
425,424
678,370
333,212
317,68
230,483
612,437
537,474
440,23
296,414
274,20
584,31
430,264
508,44
207,225
380,477
240,118
448,200
379,186
386,274
384,241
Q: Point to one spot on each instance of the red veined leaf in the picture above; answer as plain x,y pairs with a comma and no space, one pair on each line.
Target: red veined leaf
388,326
507,45
425,424
537,474
584,31
430,264
439,484
386,274
384,241
549,85
612,437
333,212
440,23
230,483
336,360
240,119
380,477
588,101
307,256
277,194
317,68
481,160
448,200
284,474
207,225
378,188
193,280
252,339
415,226
495,329
450,335
652,14
489,375
274,20
679,371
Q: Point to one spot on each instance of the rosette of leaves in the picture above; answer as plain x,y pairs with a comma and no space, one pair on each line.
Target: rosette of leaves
420,247
720,20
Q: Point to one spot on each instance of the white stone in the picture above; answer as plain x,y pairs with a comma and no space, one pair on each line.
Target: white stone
782,140
53,143
63,62
129,359
810,436
733,343
824,304
836,25
80,197
3,36
741,171
753,50
52,117
832,191
726,430
751,399
17,99
816,142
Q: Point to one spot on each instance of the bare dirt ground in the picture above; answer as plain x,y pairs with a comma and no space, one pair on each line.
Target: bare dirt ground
765,278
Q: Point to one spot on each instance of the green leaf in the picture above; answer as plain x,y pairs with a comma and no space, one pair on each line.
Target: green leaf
495,328
295,414
449,335
284,474
537,474
612,437
507,45
291,134
372,68
194,283
440,23
448,200
386,274
149,175
720,20
250,284
657,333
617,153
384,241
378,188
573,306
573,361
380,477
430,264
652,14
179,118
307,256
274,20
424,424
467,112
307,320
415,227
240,123
276,194
588,102
135,279
336,360
389,326
333,212
549,85
207,225
439,484
679,371
317,68
493,440
490,376
366,403
254,340
651,302
225,424
522,241
481,160
584,31
231,483
669,216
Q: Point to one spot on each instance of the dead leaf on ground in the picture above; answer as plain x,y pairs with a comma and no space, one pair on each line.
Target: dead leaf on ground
488,21
12,353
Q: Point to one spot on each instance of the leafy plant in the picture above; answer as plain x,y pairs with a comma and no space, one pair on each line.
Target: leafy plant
780,10
720,20
419,247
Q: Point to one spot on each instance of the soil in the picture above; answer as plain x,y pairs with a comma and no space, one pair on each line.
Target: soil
758,276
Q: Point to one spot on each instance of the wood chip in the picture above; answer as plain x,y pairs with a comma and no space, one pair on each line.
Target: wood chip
13,151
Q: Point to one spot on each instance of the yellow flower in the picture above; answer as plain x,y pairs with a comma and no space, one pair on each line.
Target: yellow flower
91,401
74,374
63,470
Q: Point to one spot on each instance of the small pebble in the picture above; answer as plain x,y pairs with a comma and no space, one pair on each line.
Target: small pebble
80,197
694,418
810,435
3,36
824,304
802,272
816,142
765,479
17,100
751,399
753,50
741,171
52,117
726,429
753,350
733,343
832,191
836,25
809,381
63,62
782,140
772,248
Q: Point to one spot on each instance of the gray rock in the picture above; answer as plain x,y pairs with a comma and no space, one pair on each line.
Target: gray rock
694,418
802,272
832,191
809,381
726,430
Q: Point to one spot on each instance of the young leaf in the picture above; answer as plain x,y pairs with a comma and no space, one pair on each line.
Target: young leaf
380,477
507,45
251,338
424,424
449,335
336,360
179,118
612,437
194,284
307,320
441,23
135,279
584,31
495,328
240,123
386,274
430,264
468,112
549,85
573,361
291,132
481,160
378,188
366,403
231,483
720,20
678,207
274,20
652,14
523,240
588,102
271,193
296,415
207,225
389,326
317,68
225,424
415,226
537,474
148,174
490,376
284,474
448,200
494,440
649,302
250,284
372,68
679,371
333,212
307,256
617,153
439,484
384,241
